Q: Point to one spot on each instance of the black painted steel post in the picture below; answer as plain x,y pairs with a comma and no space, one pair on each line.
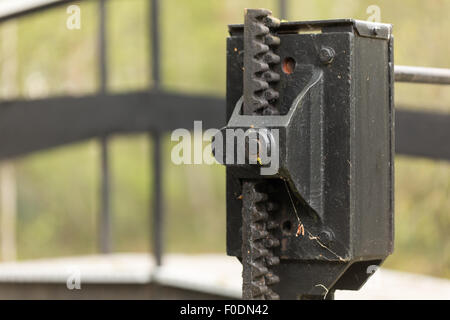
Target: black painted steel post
157,140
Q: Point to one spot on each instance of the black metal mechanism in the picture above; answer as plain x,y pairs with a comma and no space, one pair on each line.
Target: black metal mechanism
326,215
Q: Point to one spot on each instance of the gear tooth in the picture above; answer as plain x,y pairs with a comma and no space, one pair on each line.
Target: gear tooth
271,58
260,29
273,261
272,22
257,234
258,270
258,13
258,289
270,111
260,252
260,66
271,76
263,103
271,94
260,85
272,242
271,279
258,103
271,40
259,47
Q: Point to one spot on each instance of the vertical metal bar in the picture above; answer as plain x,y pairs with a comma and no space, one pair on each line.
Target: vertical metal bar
282,7
157,165
105,214
154,25
157,200
102,46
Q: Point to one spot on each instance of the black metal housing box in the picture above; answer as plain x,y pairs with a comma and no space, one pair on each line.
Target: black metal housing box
354,179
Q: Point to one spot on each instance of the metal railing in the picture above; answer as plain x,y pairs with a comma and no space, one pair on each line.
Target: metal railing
61,120
422,75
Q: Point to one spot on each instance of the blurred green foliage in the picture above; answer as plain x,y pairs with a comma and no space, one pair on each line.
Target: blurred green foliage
58,190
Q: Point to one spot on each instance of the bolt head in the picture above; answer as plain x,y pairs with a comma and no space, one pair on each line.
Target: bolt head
326,55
